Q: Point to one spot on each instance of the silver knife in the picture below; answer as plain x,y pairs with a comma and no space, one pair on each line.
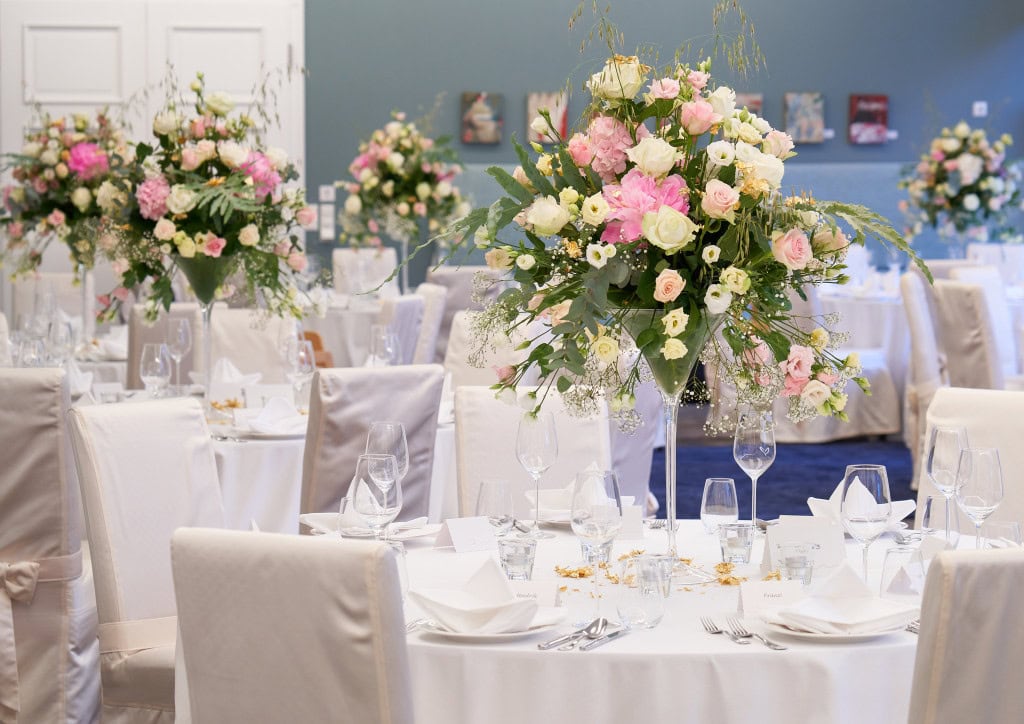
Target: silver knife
604,639
562,639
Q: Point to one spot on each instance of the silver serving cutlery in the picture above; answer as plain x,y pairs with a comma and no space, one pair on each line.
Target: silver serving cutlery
590,645
594,631
573,635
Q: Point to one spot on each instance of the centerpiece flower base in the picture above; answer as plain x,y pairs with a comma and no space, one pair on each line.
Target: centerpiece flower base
205,274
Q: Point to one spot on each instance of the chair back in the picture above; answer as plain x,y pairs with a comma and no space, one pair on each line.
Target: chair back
858,264
972,352
141,332
435,301
460,282
927,369
994,291
404,317
358,271
250,340
343,403
943,268
324,359
327,617
461,358
5,342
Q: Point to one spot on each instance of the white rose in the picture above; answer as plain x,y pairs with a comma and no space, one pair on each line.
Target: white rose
165,123
444,189
181,200
422,190
396,161
717,299
815,393
498,259
402,208
219,103
606,349
595,210
164,230
668,229
721,153
278,157
654,156
711,254
736,280
81,197
233,154
950,145
970,167
547,216
206,149
621,77
809,218
249,235
723,100
962,130
32,150
760,124
49,157
109,197
388,188
525,261
353,205
768,168
971,202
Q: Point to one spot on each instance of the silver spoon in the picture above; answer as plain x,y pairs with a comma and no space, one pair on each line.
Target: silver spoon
595,630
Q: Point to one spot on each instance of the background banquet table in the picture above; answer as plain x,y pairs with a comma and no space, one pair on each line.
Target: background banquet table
260,480
345,328
675,672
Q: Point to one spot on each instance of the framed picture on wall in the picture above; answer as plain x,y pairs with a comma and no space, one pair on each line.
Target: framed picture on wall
805,117
753,102
869,119
483,117
557,105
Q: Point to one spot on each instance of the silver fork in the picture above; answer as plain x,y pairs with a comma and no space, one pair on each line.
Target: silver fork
712,628
740,630
914,626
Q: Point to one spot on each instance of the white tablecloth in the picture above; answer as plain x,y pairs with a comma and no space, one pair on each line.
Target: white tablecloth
345,329
106,371
673,673
260,480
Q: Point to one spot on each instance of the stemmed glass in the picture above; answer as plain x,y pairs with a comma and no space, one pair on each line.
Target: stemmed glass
385,350
944,446
60,342
866,505
936,513
179,344
494,502
301,365
979,486
537,450
155,368
377,492
753,448
388,438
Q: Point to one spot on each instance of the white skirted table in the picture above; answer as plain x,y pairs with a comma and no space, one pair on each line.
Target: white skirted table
260,481
345,328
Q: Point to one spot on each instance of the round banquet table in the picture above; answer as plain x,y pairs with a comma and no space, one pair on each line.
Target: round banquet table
345,328
260,481
673,673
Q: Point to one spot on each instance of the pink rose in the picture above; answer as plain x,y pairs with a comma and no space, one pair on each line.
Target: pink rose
298,261
120,294
777,143
792,249
937,155
373,226
665,88
88,161
306,216
580,150
282,248
152,197
39,185
213,245
827,378
720,200
222,129
56,217
198,127
668,286
799,362
189,159
793,386
697,79
698,117
419,208
505,373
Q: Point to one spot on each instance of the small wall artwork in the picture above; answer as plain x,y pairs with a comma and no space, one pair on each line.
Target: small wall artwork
557,105
805,117
483,117
869,119
753,102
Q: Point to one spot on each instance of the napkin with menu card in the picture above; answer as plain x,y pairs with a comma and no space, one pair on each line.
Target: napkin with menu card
843,604
278,417
832,508
485,605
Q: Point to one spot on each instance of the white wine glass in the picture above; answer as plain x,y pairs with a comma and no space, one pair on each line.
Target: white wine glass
60,342
377,492
753,449
494,502
179,344
718,504
866,505
155,368
385,350
979,486
942,462
301,365
939,518
289,330
537,450
388,438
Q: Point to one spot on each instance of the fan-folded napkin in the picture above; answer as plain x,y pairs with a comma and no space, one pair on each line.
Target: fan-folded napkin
278,417
332,523
832,508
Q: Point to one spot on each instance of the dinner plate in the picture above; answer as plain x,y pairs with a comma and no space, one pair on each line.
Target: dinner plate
485,638
400,535
830,638
254,435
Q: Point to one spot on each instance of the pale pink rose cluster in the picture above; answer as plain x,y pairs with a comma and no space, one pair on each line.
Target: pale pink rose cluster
637,195
792,249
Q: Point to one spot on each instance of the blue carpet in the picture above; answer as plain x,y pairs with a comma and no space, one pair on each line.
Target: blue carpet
799,472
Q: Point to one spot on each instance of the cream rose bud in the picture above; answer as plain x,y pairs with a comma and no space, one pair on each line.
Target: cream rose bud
249,235
720,200
675,322
673,349
165,123
828,242
32,150
444,189
233,154
971,202
219,103
49,157
546,216
181,200
595,210
819,338
723,100
668,229
595,256
81,197
539,126
717,299
711,254
815,393
791,249
606,349
568,196
353,205
949,145
777,143
525,262
498,259
622,77
721,153
403,208
668,285
186,246
654,156
164,229
481,238
735,280
961,130
522,179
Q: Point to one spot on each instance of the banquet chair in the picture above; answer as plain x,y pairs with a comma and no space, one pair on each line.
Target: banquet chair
404,318
49,657
485,445
142,332
435,299
632,452
858,264
250,340
943,268
5,342
145,469
343,403
970,649
359,271
320,637
460,282
994,290
927,365
500,351
324,359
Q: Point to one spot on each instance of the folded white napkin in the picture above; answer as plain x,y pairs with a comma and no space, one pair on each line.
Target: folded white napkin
224,371
485,605
114,344
832,508
79,382
843,604
278,417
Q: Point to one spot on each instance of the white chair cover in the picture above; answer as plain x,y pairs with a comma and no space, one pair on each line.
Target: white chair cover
858,264
5,342
49,658
991,282
632,453
993,255
145,469
27,292
359,271
141,332
343,403
1013,269
404,317
250,340
972,351
992,418
485,446
462,342
460,280
280,628
943,268
970,651
435,302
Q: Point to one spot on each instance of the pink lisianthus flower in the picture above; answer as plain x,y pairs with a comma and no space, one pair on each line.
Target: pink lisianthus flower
103,300
697,79
360,162
214,245
793,386
297,261
505,373
637,195
262,172
88,161
152,197
419,208
937,155
799,362
759,355
827,378
664,89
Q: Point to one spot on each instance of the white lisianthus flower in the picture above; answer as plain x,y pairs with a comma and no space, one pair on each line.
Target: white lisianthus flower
673,349
668,229
711,254
481,238
852,362
546,216
746,153
717,299
747,133
165,123
622,77
164,229
675,322
608,250
396,161
423,191
525,262
961,130
508,396
528,401
278,157
109,197
654,156
81,197
595,210
595,255
721,153
219,103
838,401
971,202
539,126
606,349
32,150
760,124
181,200
735,280
233,154
353,205
816,393
723,100
249,235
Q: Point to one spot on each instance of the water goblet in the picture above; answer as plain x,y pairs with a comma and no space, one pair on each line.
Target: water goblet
754,449
388,438
494,502
941,463
936,515
179,344
866,505
537,450
718,504
301,365
155,368
979,486
60,342
377,492
596,514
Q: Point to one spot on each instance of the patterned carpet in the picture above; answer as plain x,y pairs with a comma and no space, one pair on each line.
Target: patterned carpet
799,472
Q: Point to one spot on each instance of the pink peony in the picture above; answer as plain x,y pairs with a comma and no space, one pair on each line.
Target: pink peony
637,195
698,117
580,150
792,249
88,161
306,216
262,172
213,245
799,362
665,88
609,141
152,197
298,261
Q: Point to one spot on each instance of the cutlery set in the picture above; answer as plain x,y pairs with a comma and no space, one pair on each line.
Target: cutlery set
589,637
738,633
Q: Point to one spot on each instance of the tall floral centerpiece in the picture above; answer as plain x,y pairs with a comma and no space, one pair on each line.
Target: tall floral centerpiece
658,236
962,187
207,199
62,189
402,178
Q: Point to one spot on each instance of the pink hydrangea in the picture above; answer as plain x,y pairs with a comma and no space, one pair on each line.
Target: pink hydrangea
152,197
262,172
580,150
609,141
637,195
88,161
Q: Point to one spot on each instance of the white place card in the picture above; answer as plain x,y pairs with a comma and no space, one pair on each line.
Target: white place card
806,529
632,523
758,596
467,534
545,593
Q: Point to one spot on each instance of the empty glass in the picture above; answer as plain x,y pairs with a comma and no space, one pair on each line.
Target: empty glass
385,350
494,502
718,505
796,561
31,353
155,368
639,597
866,505
736,540
941,463
60,342
517,556
301,366
537,450
377,492
979,486
179,344
903,574
753,449
1000,534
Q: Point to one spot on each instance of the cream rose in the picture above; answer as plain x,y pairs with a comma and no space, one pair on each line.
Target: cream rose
395,161
498,259
181,200
654,156
720,201
49,157
353,205
673,349
828,242
622,77
278,157
109,197
233,154
166,123
525,261
81,197
547,216
31,149
735,280
791,249
595,210
423,191
249,235
675,322
164,230
717,299
768,168
668,286
668,229
219,103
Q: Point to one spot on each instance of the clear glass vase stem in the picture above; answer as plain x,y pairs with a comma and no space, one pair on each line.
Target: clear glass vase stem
207,309
670,404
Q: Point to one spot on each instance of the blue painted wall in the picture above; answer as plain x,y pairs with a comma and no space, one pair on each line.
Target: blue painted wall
931,57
